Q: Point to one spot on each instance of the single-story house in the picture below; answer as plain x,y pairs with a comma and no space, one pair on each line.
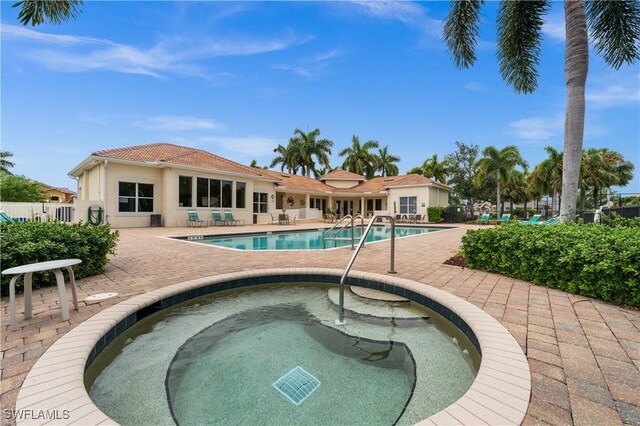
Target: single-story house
130,184
58,194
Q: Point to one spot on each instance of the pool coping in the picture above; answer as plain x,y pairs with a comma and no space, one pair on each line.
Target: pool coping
500,393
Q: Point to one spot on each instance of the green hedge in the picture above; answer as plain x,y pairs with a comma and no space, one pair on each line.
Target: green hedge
30,242
593,260
434,214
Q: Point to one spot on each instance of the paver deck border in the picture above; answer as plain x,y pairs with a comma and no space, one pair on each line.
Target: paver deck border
499,394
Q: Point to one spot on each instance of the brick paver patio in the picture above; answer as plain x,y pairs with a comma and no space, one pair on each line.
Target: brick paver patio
584,354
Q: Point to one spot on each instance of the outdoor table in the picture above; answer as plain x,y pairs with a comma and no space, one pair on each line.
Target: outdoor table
283,219
27,271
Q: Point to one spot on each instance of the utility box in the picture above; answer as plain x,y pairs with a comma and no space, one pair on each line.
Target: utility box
155,220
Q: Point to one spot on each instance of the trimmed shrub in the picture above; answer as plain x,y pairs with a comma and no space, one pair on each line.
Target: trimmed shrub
31,242
434,214
593,260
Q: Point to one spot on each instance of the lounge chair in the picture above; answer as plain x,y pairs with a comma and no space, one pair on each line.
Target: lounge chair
230,219
534,219
217,219
5,217
194,220
554,220
504,219
484,219
398,218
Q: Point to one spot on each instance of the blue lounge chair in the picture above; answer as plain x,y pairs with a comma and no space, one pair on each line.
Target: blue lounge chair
194,220
534,219
230,219
5,217
504,219
551,221
484,218
217,219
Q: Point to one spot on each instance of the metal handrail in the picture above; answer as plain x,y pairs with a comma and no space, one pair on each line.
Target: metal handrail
333,228
340,320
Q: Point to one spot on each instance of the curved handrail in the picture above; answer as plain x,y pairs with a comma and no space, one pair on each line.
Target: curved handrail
340,320
333,228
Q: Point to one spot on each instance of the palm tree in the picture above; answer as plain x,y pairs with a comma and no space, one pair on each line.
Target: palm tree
358,158
547,176
432,168
614,27
602,168
288,158
499,163
310,147
38,12
5,164
387,162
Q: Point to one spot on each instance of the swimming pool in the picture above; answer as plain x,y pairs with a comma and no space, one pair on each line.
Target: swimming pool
304,239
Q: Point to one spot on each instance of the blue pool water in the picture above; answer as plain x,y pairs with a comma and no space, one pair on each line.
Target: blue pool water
304,239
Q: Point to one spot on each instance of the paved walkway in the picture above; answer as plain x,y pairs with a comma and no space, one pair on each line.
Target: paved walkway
584,354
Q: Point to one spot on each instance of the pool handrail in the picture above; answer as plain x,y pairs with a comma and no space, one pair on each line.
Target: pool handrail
335,228
340,320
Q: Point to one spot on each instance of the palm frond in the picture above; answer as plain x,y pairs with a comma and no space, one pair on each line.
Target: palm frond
461,29
615,30
38,12
519,38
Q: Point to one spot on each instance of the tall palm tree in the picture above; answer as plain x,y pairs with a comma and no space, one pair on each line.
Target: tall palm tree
614,27
432,168
500,163
547,175
602,168
358,158
309,147
387,162
288,157
38,12
5,164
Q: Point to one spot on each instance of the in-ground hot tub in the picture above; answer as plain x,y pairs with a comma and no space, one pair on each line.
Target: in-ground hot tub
288,338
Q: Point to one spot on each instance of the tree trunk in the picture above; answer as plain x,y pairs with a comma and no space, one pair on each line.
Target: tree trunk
582,196
554,199
524,213
576,67
498,193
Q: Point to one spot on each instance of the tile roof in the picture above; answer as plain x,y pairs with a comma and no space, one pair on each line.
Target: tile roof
297,182
339,174
175,154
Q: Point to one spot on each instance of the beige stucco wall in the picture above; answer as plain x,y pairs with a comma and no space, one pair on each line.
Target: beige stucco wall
91,184
342,183
266,187
420,192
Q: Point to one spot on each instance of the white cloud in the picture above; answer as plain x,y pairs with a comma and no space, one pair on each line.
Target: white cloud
68,53
177,122
538,128
248,146
409,13
301,71
554,27
614,95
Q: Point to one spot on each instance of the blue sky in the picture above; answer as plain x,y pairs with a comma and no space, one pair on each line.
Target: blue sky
237,78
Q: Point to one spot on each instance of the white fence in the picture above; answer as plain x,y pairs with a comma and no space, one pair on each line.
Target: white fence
305,214
40,212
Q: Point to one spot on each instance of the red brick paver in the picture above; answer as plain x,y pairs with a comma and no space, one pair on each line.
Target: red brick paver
584,354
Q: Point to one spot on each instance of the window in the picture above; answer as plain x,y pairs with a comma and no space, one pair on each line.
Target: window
259,202
227,193
135,197
408,205
214,192
378,203
185,191
54,198
241,194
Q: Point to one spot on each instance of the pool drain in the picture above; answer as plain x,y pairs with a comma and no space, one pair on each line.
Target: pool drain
297,385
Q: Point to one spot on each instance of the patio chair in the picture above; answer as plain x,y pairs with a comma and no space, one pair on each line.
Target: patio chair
293,221
398,218
230,219
504,219
5,217
217,219
554,220
274,220
534,219
484,219
418,218
194,220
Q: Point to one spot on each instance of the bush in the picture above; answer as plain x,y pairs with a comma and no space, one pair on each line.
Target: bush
434,214
31,242
592,259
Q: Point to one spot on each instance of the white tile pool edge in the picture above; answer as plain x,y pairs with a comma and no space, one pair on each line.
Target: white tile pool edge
499,395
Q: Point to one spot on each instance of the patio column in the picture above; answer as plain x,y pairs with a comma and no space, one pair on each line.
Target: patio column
308,201
363,207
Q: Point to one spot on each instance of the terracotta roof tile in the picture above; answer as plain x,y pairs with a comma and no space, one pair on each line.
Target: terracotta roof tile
175,154
297,182
339,174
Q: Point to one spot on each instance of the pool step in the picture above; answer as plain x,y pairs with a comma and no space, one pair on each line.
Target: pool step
376,308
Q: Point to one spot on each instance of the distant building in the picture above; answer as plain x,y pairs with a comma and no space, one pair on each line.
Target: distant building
130,184
58,195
